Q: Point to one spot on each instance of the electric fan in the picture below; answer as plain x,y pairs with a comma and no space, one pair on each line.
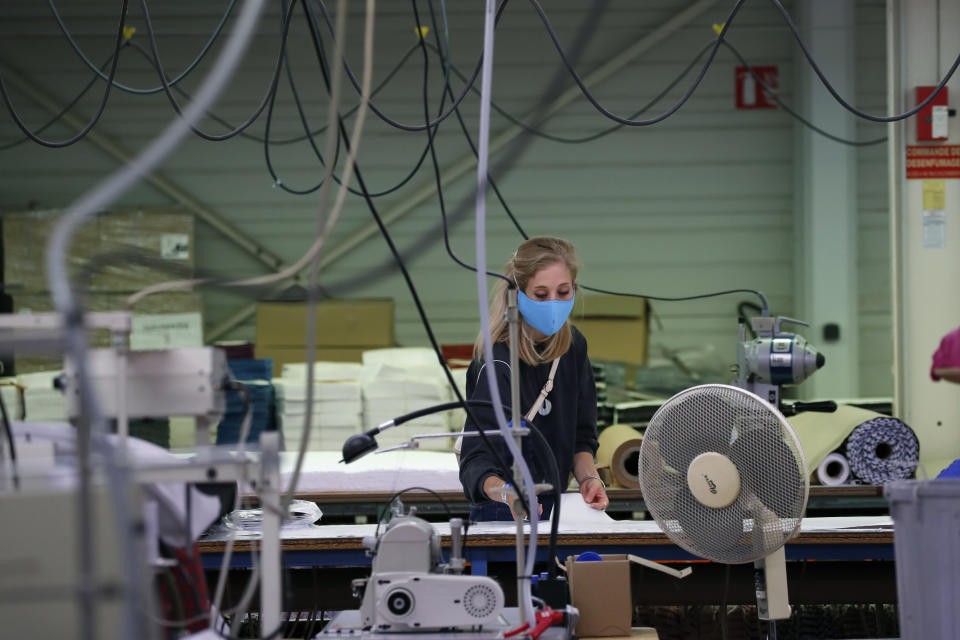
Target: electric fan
725,477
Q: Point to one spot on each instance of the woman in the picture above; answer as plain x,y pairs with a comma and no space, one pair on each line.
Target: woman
545,272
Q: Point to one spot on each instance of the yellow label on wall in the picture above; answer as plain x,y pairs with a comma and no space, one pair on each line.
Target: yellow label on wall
934,194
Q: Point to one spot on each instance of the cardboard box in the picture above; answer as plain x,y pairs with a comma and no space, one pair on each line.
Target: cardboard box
601,591
138,248
287,355
340,323
615,327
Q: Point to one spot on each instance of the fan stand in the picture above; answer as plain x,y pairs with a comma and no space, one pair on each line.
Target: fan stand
770,583
770,578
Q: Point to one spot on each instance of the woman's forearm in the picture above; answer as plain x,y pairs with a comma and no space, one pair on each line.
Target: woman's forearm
583,466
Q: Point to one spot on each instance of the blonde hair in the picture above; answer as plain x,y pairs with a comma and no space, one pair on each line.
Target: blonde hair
532,256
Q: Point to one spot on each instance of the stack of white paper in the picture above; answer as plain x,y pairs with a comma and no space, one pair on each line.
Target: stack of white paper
322,371
42,402
401,357
399,381
337,405
458,417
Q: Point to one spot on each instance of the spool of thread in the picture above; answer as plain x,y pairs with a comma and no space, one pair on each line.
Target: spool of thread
834,470
620,451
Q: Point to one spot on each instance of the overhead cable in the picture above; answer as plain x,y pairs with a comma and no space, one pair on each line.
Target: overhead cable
103,101
98,72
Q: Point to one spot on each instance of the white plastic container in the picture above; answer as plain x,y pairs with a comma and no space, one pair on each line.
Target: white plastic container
926,519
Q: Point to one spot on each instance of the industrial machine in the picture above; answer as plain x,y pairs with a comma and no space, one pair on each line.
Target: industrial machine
774,358
410,588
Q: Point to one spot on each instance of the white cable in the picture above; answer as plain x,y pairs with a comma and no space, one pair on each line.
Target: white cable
332,135
96,200
345,181
483,150
109,190
228,551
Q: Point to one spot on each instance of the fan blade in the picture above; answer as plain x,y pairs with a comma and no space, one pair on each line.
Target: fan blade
712,435
767,445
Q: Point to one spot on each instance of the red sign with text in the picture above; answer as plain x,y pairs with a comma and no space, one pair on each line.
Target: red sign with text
749,93
933,161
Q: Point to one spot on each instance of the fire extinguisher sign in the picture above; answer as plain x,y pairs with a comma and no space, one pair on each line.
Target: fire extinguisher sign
749,93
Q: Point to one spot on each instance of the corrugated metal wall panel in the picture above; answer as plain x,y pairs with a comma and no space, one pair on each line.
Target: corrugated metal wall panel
700,202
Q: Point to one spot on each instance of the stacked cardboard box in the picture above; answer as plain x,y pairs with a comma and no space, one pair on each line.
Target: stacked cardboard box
615,327
344,330
112,256
337,406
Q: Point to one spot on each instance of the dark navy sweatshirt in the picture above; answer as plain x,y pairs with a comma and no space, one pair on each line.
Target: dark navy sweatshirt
567,419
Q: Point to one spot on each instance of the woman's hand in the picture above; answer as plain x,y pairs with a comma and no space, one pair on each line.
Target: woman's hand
593,493
500,491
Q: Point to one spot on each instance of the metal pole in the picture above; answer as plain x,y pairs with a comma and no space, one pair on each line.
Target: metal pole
513,320
270,582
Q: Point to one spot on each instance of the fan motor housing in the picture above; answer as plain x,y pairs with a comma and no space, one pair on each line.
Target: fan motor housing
713,480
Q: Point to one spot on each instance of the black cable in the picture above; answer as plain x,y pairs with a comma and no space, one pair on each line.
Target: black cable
773,95
433,152
393,498
838,98
627,121
437,408
523,233
604,132
387,119
680,298
557,491
103,101
151,36
724,622
315,36
555,514
276,633
473,148
743,304
593,136
303,120
396,495
308,135
8,429
99,73
282,141
63,112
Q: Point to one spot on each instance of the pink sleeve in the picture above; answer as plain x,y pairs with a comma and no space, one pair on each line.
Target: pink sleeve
948,355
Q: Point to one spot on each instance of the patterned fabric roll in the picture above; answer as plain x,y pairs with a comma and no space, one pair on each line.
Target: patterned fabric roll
881,450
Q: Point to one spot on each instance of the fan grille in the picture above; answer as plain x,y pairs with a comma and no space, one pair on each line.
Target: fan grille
766,453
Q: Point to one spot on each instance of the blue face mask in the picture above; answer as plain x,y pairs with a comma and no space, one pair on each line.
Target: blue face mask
546,316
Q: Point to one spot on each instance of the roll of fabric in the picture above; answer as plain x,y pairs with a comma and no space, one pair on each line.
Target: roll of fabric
881,450
620,451
834,470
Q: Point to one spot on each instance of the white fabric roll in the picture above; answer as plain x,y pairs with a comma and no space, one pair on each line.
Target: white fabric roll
834,470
